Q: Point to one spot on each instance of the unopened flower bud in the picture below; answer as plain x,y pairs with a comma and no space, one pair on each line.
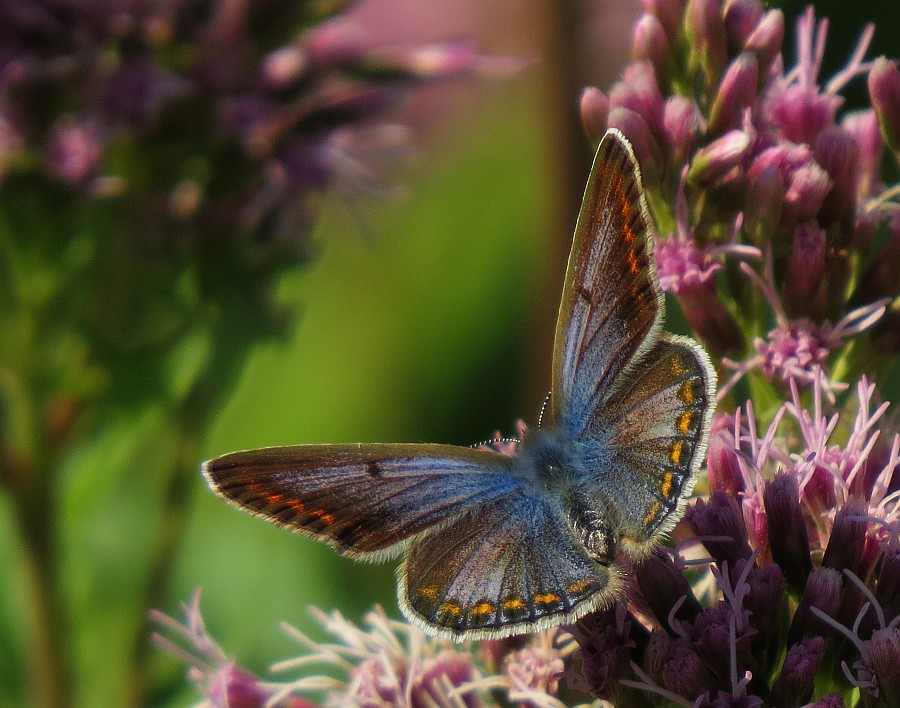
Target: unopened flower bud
848,537
670,14
823,591
682,125
794,686
766,41
663,585
887,589
594,107
722,464
838,154
763,212
766,600
884,89
651,45
741,18
881,654
639,91
720,157
720,526
863,128
646,148
806,267
334,43
788,540
706,34
736,93
675,664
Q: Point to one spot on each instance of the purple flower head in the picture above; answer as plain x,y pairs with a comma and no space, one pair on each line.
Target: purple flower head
884,88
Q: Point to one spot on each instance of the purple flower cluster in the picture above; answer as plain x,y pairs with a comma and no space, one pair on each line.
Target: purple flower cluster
803,541
762,168
290,96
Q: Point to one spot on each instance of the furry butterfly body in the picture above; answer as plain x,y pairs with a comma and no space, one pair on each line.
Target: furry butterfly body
496,545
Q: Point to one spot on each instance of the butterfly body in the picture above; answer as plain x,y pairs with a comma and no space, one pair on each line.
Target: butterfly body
495,544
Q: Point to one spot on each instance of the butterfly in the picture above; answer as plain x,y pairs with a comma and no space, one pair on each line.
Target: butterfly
494,544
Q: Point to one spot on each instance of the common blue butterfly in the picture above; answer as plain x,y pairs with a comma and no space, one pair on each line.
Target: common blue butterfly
497,545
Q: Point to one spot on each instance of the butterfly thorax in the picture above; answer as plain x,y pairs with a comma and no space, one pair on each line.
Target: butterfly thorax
557,465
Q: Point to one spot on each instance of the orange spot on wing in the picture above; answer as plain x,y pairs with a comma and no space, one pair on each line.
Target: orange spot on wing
652,512
274,498
666,486
675,452
429,592
686,392
633,265
513,604
546,598
683,422
296,505
450,608
482,608
323,515
677,367
579,586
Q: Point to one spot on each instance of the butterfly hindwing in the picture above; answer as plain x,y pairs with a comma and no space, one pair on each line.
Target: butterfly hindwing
611,305
363,500
505,568
657,426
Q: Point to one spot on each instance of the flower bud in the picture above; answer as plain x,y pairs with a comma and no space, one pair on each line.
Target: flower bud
736,93
863,128
763,212
838,154
766,600
646,149
706,36
720,517
670,14
766,41
677,666
713,639
806,268
639,92
823,591
651,45
887,589
720,157
663,585
594,107
788,540
603,651
741,18
682,124
335,43
848,537
722,464
794,685
881,654
884,89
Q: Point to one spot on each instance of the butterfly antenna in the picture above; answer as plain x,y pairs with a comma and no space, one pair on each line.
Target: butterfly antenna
544,409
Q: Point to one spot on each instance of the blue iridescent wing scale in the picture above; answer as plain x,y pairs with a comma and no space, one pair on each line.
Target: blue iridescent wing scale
611,305
508,567
366,501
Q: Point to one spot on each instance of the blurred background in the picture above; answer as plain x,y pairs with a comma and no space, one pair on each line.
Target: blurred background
352,312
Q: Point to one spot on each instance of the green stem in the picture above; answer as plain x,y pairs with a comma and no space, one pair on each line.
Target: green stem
49,681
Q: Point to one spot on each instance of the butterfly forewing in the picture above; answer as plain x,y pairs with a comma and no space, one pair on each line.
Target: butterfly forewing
611,302
508,567
361,499
657,426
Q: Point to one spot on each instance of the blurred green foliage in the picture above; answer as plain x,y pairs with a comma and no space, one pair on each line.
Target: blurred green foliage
417,331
